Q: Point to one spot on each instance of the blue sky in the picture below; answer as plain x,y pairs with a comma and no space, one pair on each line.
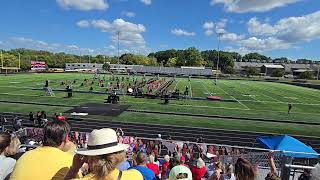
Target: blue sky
274,28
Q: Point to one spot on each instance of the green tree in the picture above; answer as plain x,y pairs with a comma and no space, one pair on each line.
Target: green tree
251,71
190,57
229,70
172,62
277,73
106,67
306,75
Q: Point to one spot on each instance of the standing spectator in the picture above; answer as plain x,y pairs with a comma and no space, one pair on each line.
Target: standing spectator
178,171
6,163
182,161
153,167
48,161
244,170
229,175
141,161
31,118
17,123
199,170
306,175
315,174
103,154
61,117
124,165
273,174
165,167
39,118
218,170
2,122
13,148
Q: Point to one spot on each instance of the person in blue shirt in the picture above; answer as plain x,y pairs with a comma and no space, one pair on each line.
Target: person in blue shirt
141,161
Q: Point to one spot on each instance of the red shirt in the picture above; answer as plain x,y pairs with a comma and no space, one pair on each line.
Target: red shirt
165,167
198,173
154,168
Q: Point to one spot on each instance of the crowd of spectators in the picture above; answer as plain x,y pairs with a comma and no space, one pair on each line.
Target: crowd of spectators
108,154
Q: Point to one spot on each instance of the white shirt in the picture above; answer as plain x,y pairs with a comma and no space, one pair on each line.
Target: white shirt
6,166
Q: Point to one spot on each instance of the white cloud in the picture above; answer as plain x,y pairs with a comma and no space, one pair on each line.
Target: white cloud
209,32
268,44
130,34
128,14
208,25
181,32
292,29
146,2
84,5
211,28
257,28
28,43
242,6
231,37
83,23
240,50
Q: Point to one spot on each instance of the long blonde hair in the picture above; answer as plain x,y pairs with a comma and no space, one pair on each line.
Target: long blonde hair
103,165
13,147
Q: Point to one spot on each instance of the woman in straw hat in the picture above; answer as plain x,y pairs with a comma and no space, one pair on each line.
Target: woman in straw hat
103,154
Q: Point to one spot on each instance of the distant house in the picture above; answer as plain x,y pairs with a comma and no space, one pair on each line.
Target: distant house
240,67
268,69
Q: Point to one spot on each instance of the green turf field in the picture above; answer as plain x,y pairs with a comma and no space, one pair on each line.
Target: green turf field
253,99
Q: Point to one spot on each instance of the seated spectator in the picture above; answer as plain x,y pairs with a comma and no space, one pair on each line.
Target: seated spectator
165,167
199,170
178,171
141,161
49,161
152,166
273,175
244,170
124,165
6,163
103,154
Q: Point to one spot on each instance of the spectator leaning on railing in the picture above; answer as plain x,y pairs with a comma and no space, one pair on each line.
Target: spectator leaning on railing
6,163
49,161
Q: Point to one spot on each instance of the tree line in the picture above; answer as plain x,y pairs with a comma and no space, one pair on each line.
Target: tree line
172,57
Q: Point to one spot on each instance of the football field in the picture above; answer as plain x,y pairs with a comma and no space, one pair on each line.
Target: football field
262,105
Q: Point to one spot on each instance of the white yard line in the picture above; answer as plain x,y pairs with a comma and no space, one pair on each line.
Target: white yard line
208,92
234,97
250,87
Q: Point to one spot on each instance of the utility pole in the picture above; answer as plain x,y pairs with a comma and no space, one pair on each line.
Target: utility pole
219,36
318,72
19,60
118,33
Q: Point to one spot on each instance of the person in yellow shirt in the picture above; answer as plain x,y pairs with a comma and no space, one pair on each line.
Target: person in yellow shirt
48,161
103,154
